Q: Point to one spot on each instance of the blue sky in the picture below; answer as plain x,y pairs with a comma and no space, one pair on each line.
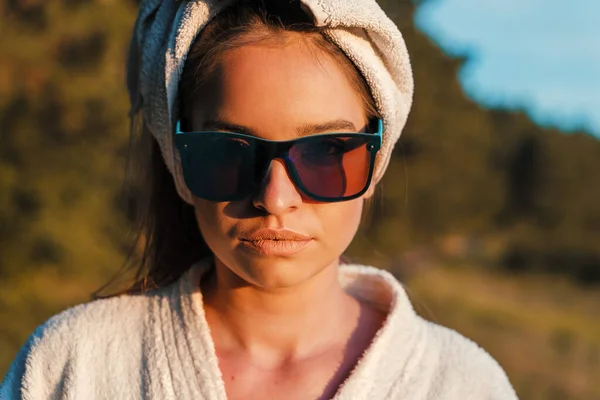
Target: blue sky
543,55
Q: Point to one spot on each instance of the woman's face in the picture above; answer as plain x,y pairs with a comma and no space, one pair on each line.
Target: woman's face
279,91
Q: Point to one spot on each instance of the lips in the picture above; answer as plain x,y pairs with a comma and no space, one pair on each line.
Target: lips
276,242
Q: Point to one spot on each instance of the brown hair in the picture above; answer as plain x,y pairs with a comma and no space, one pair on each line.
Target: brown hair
168,238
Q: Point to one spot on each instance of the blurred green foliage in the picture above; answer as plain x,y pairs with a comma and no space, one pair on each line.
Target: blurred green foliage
489,175
466,185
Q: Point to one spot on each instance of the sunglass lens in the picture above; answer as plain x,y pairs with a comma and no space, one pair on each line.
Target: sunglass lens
219,168
332,167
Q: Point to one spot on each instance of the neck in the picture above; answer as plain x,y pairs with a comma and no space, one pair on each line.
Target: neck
285,323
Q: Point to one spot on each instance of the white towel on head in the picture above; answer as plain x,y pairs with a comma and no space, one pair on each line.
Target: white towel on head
165,30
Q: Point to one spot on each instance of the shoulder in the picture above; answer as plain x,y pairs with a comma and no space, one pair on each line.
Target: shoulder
92,322
435,361
462,369
77,340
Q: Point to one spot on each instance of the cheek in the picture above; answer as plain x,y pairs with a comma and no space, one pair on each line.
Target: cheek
340,221
213,224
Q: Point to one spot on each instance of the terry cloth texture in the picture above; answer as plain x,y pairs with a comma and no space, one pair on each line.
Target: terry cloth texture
158,346
165,30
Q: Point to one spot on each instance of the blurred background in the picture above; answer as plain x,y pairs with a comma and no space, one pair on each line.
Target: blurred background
489,212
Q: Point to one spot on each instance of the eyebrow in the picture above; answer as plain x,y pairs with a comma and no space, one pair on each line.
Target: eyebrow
338,125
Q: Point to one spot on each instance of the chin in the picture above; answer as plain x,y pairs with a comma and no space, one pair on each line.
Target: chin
272,273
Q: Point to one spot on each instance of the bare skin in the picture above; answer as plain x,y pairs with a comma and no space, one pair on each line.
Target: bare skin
287,348
282,325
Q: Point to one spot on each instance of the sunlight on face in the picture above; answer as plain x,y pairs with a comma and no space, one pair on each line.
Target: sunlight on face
276,91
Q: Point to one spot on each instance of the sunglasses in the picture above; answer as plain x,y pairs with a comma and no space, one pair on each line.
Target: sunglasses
227,166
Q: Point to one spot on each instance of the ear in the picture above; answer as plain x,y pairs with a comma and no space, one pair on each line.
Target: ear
370,191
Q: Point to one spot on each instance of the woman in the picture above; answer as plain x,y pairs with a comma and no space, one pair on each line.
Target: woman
271,123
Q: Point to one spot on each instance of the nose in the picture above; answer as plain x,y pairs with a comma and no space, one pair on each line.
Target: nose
277,194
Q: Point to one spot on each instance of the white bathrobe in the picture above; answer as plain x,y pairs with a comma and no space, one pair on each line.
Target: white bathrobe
158,346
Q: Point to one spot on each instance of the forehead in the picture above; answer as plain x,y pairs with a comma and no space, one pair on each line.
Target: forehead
275,87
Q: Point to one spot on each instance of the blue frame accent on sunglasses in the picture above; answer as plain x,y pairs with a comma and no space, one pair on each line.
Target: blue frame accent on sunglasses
187,142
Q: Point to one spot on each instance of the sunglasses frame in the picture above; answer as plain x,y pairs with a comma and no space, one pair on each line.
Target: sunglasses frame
278,150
